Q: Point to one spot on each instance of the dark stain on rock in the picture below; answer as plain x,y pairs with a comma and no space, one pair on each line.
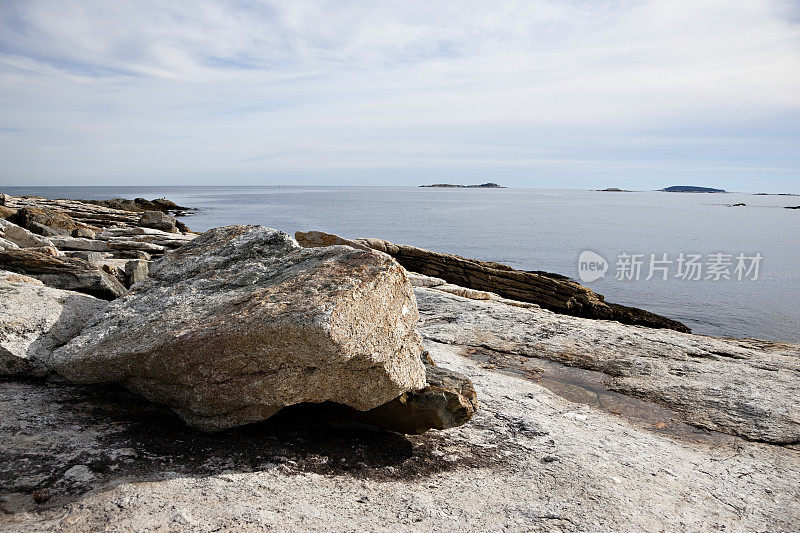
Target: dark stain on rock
112,434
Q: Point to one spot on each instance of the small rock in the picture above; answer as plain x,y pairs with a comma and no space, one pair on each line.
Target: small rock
41,496
83,232
136,271
80,473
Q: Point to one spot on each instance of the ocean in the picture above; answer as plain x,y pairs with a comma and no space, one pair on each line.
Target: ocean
639,235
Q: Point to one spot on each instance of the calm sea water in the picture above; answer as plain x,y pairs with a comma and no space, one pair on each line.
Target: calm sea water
537,229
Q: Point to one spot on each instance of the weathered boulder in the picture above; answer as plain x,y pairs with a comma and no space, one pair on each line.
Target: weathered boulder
158,220
20,236
62,272
34,320
6,212
45,222
241,322
551,291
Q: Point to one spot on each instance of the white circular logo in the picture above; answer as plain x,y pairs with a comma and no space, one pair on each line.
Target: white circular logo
591,266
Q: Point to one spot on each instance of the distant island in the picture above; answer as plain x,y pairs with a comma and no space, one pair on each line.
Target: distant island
613,189
691,188
481,186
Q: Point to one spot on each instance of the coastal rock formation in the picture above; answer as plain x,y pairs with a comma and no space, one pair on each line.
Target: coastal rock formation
242,322
66,273
551,291
141,205
34,320
743,387
99,213
44,225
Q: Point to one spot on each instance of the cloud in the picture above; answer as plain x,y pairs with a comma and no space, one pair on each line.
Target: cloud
530,91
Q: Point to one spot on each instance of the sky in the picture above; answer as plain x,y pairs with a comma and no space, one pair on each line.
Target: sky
564,94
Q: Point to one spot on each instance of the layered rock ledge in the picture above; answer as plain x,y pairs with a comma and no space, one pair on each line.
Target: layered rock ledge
551,291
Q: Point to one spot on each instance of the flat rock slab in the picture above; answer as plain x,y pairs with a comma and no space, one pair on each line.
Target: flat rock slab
529,461
34,320
66,273
744,387
21,237
241,322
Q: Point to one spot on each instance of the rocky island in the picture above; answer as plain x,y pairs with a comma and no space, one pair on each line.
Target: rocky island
489,185
155,379
690,188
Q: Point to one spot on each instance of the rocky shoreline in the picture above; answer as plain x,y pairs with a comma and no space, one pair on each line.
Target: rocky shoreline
156,379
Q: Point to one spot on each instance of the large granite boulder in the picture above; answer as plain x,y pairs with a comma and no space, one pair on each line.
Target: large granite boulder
34,320
241,322
66,273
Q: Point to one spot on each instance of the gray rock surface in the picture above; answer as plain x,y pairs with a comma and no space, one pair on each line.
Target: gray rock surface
528,461
744,387
66,273
241,322
34,320
20,236
79,243
7,245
